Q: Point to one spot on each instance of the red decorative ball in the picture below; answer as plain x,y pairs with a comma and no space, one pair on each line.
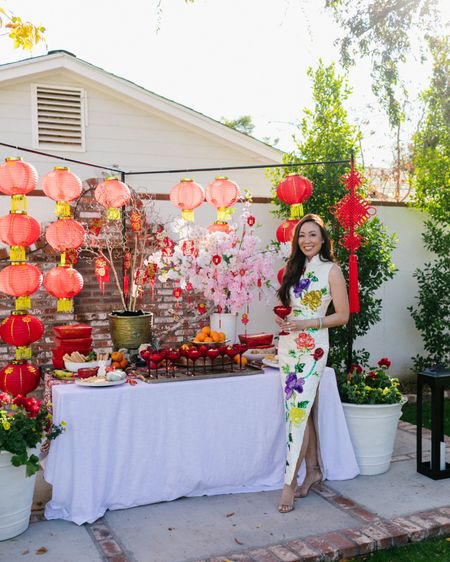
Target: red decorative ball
65,234
62,185
222,192
19,280
17,229
285,232
17,177
112,193
19,378
294,189
21,329
63,282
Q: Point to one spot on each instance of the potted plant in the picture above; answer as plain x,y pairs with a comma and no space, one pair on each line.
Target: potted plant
24,424
117,249
229,269
372,405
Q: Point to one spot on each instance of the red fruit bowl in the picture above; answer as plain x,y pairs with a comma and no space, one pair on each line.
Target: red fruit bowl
256,340
86,373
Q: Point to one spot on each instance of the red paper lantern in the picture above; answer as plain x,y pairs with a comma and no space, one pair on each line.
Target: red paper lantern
19,378
285,231
187,196
295,190
20,281
112,194
63,282
61,184
65,234
18,231
17,177
280,275
21,329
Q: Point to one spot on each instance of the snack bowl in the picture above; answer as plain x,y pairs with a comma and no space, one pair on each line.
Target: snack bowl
85,373
255,340
73,366
257,354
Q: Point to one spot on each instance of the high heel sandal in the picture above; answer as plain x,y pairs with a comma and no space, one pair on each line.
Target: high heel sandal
299,493
286,507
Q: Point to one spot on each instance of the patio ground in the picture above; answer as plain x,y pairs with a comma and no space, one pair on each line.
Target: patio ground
339,519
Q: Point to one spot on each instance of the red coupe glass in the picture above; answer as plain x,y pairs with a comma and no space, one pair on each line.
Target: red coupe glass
213,354
282,312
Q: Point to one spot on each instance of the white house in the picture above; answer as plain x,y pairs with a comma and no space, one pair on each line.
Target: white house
65,106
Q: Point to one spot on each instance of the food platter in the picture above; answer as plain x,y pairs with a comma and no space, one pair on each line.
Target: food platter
259,354
271,362
99,383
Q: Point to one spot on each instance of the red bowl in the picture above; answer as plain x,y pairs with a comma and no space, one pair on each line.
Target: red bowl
87,372
73,331
256,340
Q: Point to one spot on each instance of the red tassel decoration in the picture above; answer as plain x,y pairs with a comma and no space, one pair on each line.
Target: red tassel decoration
353,284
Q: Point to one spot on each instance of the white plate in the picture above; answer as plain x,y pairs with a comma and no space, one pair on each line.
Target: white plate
270,363
82,382
258,356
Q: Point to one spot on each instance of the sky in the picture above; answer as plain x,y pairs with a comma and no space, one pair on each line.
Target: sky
223,58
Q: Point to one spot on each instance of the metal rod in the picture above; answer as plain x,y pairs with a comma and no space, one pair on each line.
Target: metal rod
61,157
250,167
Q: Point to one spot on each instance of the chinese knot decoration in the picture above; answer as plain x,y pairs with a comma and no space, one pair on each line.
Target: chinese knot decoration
294,190
19,279
64,235
352,211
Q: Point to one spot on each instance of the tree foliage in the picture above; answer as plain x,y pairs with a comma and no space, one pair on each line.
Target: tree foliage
326,134
384,31
243,124
431,161
24,34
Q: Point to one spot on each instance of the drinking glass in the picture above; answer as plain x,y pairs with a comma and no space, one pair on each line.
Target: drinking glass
282,312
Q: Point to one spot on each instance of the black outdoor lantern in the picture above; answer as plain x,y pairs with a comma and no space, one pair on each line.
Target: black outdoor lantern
438,379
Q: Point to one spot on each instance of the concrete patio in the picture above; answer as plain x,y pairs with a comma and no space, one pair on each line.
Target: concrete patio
339,519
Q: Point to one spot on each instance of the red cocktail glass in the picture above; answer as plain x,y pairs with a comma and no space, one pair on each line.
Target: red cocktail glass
232,352
173,356
282,312
153,363
203,350
242,348
213,354
222,349
193,355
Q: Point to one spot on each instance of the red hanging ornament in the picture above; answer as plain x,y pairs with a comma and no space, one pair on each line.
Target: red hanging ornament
222,193
294,190
188,248
244,319
102,273
20,280
63,282
352,211
112,194
242,272
251,220
177,293
216,259
187,196
285,232
71,257
19,378
201,308
21,329
17,177
189,288
95,227
62,186
65,234
136,221
280,275
19,231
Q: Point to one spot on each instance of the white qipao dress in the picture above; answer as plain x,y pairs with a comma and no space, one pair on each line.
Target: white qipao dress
303,355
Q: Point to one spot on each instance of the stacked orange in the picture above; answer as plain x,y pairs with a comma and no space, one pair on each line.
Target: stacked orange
206,335
118,360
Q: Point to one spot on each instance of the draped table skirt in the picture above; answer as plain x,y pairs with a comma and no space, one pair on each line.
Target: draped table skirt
133,445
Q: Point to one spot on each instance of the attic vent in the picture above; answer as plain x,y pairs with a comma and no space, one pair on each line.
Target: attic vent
59,117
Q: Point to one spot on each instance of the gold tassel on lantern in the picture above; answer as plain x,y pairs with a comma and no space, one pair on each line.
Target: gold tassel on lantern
17,253
187,215
23,303
23,352
62,209
18,204
64,305
296,211
113,214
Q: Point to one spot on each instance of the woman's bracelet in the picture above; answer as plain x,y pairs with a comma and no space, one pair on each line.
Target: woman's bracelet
320,323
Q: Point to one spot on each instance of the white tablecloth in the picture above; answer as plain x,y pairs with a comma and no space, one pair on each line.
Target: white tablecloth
132,445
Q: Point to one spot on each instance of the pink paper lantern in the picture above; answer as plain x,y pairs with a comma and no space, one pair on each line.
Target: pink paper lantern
112,194
61,184
187,196
17,177
65,234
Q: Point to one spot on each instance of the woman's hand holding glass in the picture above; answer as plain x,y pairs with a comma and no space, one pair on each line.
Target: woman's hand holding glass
293,324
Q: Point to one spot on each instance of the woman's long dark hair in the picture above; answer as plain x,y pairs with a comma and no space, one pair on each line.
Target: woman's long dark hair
296,262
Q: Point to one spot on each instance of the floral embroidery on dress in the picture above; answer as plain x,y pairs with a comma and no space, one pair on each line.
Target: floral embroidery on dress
312,300
293,384
301,286
305,342
297,415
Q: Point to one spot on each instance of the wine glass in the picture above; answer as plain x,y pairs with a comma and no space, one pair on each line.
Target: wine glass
282,312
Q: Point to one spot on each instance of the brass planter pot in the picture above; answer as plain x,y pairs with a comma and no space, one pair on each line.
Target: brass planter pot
130,331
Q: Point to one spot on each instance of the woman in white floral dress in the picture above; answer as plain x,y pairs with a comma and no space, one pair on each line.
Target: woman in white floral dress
310,283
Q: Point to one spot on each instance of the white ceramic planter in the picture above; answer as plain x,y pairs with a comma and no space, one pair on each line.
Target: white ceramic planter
372,429
224,322
16,498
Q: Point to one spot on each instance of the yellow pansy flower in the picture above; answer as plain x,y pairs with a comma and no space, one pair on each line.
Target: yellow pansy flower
6,425
297,416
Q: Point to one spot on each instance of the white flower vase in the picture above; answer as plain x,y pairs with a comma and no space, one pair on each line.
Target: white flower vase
372,429
226,323
16,498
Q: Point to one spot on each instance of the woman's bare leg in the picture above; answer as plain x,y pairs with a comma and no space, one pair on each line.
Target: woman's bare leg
313,472
288,494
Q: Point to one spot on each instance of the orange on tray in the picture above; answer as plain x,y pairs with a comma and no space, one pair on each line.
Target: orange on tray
117,356
240,360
